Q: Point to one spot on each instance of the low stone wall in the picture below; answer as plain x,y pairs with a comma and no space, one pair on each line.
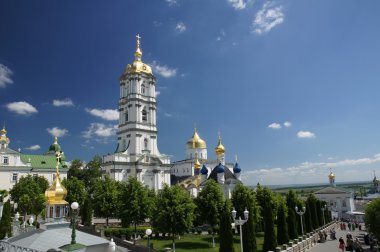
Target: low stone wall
307,241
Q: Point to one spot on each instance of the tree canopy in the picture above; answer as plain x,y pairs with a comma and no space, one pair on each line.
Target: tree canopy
372,218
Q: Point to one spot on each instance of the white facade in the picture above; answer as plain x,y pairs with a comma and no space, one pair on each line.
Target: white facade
137,152
14,165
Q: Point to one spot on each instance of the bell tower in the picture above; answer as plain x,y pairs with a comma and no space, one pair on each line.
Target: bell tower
137,132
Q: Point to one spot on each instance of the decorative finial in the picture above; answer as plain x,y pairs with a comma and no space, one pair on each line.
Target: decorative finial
58,157
236,158
55,140
138,52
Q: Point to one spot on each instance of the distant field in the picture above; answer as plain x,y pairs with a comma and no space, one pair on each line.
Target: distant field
305,190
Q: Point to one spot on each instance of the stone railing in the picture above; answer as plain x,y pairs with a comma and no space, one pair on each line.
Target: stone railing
5,246
307,241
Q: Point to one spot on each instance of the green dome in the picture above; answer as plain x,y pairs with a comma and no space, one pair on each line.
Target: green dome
55,146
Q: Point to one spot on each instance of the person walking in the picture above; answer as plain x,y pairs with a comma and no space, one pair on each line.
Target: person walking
341,244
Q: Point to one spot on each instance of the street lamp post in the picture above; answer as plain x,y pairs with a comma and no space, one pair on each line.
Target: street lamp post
323,213
74,207
148,232
300,213
240,223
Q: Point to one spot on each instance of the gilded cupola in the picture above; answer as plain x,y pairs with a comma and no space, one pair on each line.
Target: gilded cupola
137,66
197,164
331,175
56,193
195,142
219,149
4,140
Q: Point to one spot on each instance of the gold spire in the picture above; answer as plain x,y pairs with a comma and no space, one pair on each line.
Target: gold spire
195,142
3,136
197,164
138,52
219,149
57,193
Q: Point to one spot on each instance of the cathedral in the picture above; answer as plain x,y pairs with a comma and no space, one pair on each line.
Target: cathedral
137,153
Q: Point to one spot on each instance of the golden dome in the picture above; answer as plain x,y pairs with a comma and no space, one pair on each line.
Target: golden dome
3,131
195,142
137,66
331,175
3,136
219,149
57,193
197,164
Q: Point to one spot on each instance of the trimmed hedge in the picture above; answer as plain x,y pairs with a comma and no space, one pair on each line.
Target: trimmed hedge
127,232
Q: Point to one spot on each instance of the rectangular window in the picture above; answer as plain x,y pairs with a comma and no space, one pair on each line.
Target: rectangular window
14,177
5,160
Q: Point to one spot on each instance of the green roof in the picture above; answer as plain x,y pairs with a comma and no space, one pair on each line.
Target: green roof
40,161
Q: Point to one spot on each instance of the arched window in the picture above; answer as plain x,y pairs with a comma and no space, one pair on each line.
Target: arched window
143,89
126,116
146,144
144,115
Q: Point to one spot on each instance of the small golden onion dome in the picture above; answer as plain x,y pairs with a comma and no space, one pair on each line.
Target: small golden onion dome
219,149
195,142
3,131
197,164
56,193
331,175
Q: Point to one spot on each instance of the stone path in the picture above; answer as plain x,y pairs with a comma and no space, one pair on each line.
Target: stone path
332,245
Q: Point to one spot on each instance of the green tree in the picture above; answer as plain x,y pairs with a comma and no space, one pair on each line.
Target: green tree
137,204
225,230
76,170
372,218
28,185
210,203
106,196
243,197
291,202
319,206
308,223
3,195
267,205
174,211
312,205
76,190
6,221
38,205
86,212
282,225
25,205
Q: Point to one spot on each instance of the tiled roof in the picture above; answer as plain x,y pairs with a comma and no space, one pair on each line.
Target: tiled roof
40,161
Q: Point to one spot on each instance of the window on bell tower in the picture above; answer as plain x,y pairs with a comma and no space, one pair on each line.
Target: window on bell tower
142,89
126,116
146,144
144,115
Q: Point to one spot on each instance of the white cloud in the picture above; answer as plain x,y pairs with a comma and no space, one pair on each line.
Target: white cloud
221,35
21,108
163,70
172,2
168,114
158,93
5,76
274,126
106,114
305,134
239,4
34,147
57,132
63,103
287,124
313,172
157,23
180,27
267,18
99,130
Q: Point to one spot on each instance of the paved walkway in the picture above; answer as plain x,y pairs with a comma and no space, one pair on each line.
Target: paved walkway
332,245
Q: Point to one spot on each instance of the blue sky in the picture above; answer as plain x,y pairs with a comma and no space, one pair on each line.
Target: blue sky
293,86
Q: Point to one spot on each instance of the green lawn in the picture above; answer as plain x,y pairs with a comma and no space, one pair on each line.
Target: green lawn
195,243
